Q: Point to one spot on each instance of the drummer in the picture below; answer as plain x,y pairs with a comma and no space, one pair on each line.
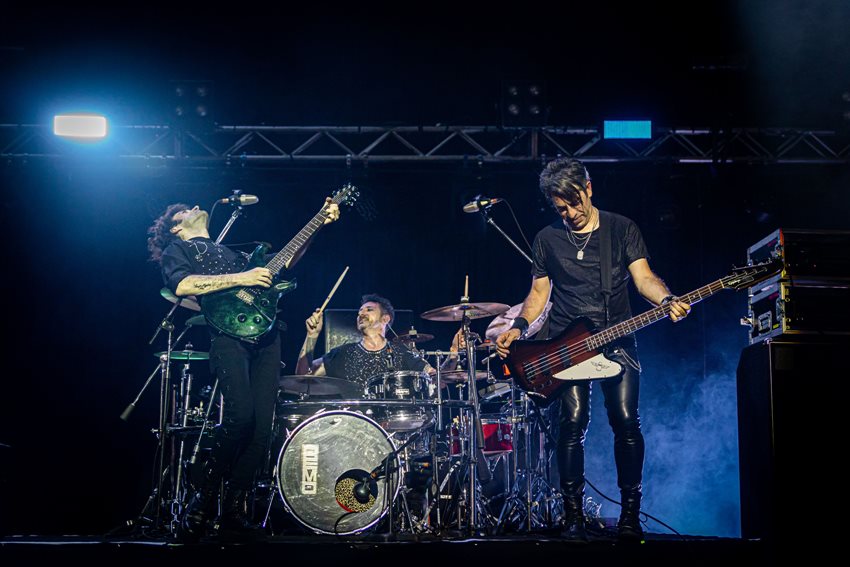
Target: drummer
370,356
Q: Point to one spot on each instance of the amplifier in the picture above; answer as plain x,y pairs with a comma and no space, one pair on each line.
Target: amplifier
806,254
782,307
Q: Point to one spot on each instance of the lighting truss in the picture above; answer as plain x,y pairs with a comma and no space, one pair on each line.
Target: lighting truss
264,145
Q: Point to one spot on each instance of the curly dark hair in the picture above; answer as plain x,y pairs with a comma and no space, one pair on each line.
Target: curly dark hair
160,231
565,178
386,306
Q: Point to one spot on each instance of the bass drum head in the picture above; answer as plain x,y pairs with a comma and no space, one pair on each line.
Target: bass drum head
321,462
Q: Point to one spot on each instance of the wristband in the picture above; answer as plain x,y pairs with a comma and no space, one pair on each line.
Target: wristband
520,323
667,299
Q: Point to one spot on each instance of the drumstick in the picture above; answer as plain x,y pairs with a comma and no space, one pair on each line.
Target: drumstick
339,281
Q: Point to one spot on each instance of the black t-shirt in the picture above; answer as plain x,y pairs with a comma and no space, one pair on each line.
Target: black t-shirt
198,256
353,362
577,284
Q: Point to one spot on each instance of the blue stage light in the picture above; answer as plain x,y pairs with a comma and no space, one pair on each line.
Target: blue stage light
627,130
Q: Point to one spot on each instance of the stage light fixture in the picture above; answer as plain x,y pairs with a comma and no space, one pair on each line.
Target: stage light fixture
80,126
523,104
627,129
192,105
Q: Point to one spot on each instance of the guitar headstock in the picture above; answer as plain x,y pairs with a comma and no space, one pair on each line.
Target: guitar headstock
346,195
748,276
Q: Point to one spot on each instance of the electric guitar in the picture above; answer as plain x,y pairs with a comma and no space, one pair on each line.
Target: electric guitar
248,313
542,368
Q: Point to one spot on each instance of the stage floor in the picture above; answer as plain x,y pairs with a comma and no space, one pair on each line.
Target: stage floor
403,550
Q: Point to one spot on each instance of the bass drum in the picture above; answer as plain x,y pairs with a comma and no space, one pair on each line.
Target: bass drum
320,464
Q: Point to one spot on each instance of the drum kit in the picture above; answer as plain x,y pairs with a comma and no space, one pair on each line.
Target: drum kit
454,452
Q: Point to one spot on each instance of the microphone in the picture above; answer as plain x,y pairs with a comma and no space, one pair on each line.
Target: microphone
362,490
240,200
481,203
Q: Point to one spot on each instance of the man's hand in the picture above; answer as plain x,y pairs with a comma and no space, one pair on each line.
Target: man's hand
332,210
504,341
678,310
257,277
314,324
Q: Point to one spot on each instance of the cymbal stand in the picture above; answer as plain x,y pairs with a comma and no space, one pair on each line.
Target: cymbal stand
476,432
532,502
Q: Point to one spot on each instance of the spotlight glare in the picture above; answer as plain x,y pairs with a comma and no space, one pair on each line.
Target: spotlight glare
80,126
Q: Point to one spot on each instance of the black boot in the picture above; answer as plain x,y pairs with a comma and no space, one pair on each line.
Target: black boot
629,528
235,522
197,516
574,523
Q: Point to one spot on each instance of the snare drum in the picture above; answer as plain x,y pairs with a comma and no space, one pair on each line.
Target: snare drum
400,385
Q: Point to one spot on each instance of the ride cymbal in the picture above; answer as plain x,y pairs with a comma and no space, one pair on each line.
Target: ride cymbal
189,302
307,384
472,310
504,322
185,355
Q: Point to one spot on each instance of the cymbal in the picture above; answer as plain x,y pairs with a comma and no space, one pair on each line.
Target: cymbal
462,375
189,302
472,310
185,355
196,320
504,321
319,386
413,338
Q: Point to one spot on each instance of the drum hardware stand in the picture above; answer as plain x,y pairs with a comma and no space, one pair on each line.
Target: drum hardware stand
536,509
156,498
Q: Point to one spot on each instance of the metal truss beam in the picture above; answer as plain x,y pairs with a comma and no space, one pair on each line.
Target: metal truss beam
263,145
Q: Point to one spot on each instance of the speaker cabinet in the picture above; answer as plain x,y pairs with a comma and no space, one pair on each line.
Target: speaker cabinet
790,398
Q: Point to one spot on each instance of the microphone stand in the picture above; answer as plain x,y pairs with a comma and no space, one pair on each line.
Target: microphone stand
486,214
384,470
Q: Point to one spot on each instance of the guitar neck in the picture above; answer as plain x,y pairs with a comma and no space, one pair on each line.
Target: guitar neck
653,315
282,258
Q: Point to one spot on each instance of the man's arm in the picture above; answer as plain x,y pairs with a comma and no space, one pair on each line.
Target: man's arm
306,364
532,308
201,285
653,288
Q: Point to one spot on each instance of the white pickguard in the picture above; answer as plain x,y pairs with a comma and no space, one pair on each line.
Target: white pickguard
594,368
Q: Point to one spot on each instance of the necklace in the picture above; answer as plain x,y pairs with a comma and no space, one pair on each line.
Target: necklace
581,242
199,254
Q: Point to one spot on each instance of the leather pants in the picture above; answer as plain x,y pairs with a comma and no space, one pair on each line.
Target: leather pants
621,403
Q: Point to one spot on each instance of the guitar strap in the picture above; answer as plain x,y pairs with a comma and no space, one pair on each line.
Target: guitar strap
605,254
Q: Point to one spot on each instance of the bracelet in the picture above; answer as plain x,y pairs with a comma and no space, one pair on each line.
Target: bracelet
520,323
667,299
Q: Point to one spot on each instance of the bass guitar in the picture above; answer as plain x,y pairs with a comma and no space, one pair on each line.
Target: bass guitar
542,368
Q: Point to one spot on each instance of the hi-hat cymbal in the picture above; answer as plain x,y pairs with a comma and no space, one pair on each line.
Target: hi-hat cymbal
196,320
462,375
185,355
310,385
189,302
472,310
504,321
413,338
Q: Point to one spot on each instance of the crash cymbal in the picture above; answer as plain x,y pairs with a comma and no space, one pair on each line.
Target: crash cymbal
189,302
196,320
413,337
504,321
185,355
472,310
310,385
453,376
